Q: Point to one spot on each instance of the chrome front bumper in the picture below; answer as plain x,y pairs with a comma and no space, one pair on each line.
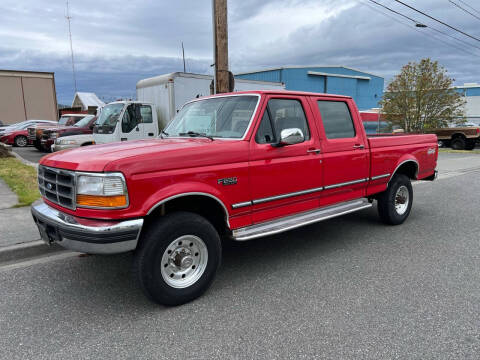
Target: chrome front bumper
60,147
85,235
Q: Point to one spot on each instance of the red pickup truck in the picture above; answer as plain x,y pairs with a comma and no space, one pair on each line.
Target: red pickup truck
233,166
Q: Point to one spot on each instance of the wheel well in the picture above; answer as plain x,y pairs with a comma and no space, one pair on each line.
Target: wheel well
86,144
409,168
202,205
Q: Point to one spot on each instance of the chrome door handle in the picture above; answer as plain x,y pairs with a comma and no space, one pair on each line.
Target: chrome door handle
359,146
316,151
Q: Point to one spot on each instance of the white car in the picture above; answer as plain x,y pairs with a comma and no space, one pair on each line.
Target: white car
72,141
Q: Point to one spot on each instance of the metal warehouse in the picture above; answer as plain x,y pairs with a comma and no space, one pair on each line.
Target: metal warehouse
471,94
365,88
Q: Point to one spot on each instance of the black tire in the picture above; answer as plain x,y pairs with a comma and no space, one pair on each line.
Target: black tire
20,141
155,241
386,201
458,143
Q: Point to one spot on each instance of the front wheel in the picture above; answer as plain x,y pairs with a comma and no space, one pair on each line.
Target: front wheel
177,258
395,203
21,141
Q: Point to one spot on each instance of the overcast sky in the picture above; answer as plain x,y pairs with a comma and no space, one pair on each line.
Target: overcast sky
117,43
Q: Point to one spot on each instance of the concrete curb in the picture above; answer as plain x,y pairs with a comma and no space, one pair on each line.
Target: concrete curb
27,250
26,162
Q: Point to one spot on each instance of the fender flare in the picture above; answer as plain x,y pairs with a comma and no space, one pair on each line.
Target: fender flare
417,166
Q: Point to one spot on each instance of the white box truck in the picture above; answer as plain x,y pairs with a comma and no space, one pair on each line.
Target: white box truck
158,100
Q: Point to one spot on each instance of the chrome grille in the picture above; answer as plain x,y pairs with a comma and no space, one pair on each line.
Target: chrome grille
57,185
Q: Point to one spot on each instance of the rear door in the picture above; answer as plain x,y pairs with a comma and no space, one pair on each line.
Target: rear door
284,179
345,150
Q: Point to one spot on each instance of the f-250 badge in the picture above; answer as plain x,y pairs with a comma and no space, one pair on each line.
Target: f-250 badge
227,181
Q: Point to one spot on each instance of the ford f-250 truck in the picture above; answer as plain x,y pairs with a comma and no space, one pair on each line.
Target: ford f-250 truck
233,166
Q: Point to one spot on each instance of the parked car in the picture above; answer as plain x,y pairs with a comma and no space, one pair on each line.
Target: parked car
23,125
35,132
240,166
18,135
73,141
458,138
84,126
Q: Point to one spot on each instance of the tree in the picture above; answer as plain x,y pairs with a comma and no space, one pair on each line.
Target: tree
421,97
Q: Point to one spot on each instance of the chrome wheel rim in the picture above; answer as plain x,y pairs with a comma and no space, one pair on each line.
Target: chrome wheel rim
184,261
402,198
21,141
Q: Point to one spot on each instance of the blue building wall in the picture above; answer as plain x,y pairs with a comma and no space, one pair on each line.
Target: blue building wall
366,93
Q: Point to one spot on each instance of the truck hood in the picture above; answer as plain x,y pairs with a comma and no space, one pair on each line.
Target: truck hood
143,156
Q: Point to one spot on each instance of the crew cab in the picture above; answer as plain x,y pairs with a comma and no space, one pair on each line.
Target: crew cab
233,166
49,135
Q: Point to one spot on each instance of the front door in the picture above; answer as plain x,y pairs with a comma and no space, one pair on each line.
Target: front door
345,151
131,127
284,179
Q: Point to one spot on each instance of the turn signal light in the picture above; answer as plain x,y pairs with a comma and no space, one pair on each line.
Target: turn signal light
101,201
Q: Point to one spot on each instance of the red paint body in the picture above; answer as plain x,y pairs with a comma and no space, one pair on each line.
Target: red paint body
9,138
156,169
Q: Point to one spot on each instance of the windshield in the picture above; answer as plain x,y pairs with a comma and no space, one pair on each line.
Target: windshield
84,122
221,117
109,115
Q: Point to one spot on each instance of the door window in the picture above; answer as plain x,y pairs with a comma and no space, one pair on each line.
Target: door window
336,119
281,114
129,120
146,113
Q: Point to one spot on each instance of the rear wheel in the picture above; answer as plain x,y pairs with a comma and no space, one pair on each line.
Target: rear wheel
20,141
458,143
395,203
177,258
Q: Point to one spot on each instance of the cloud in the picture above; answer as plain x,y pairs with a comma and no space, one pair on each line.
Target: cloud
118,43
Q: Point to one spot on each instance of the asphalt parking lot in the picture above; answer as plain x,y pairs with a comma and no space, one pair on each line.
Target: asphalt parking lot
347,288
29,153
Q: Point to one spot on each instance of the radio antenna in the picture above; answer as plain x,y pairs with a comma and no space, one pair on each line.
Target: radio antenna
68,17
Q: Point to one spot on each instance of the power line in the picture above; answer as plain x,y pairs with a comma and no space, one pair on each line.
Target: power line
464,3
418,24
462,8
439,21
419,31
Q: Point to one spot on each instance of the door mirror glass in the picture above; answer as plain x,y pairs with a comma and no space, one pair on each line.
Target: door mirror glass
291,136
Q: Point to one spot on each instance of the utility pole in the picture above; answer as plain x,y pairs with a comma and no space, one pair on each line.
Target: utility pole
183,56
220,46
68,17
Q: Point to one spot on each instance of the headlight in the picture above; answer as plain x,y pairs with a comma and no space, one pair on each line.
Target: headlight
102,191
53,135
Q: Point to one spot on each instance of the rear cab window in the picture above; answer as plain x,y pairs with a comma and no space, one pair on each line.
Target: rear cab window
336,118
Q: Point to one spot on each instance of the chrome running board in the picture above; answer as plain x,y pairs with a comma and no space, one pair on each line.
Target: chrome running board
298,220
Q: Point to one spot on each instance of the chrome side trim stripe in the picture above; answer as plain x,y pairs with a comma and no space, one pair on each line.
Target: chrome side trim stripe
379,177
284,196
297,193
242,204
334,186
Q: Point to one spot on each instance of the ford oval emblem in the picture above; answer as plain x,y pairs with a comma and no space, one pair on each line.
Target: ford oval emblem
49,186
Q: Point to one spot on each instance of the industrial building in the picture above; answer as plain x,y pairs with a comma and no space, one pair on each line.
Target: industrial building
27,95
365,88
471,94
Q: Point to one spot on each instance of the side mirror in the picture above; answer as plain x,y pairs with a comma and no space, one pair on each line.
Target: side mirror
291,136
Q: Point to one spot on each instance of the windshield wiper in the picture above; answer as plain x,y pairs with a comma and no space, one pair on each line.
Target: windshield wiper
163,132
194,134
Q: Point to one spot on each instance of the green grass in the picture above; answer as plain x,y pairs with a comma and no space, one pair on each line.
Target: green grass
459,151
21,178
